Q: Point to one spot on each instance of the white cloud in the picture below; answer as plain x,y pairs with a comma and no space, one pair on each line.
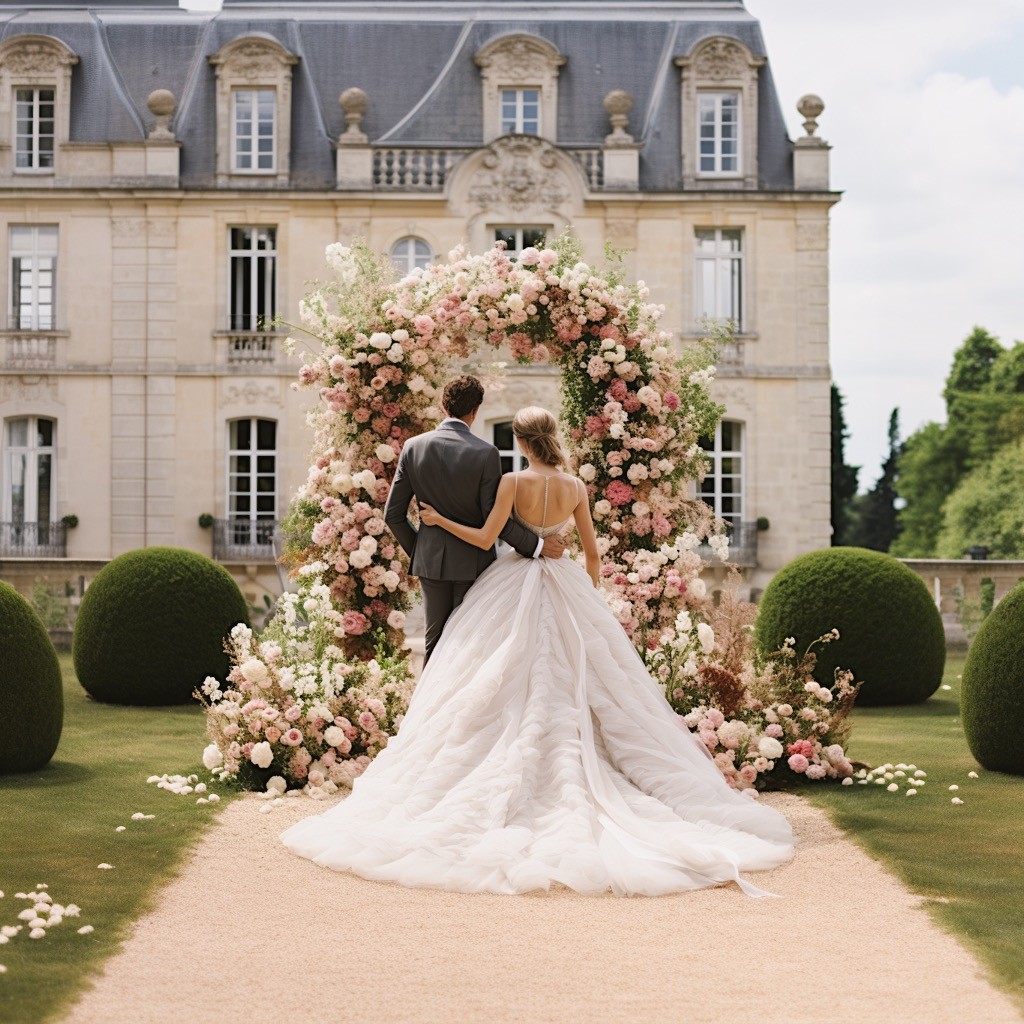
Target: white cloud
927,240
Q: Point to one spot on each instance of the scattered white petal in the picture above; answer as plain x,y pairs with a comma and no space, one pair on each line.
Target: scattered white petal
42,908
152,778
946,686
9,931
972,775
911,792
956,800
201,787
54,920
27,914
20,896
4,939
37,922
120,828
920,774
42,885
43,897
37,933
72,910
880,781
847,782
148,817
202,800
214,798
3,970
862,782
953,789
85,929
138,816
893,787
105,867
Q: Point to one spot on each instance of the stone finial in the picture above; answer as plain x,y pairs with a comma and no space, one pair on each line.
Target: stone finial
810,106
161,103
353,102
618,103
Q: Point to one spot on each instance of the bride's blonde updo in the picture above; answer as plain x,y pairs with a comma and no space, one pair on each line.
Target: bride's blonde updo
537,429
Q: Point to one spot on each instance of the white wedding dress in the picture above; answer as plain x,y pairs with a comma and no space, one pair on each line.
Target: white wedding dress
537,750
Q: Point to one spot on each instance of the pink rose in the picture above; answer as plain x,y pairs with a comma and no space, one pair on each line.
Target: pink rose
367,721
802,747
619,493
292,738
774,730
272,733
354,623
798,763
294,713
671,400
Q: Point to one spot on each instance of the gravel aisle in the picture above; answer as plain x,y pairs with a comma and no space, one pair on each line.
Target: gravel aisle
251,933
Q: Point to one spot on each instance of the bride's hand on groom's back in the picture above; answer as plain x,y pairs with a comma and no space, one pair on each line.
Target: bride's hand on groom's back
553,547
428,515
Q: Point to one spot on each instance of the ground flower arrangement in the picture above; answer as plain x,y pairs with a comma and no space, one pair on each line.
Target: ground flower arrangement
311,701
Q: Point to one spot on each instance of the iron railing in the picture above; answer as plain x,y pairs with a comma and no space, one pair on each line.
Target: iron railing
245,540
33,540
742,545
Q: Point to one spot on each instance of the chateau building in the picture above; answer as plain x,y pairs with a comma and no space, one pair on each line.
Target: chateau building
169,180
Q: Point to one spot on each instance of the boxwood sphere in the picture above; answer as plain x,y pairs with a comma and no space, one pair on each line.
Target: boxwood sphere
152,626
992,691
31,691
890,632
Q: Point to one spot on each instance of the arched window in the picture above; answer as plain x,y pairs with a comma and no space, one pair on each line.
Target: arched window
722,488
29,486
409,254
512,459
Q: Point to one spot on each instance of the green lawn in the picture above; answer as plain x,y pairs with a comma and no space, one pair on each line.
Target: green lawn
968,859
59,824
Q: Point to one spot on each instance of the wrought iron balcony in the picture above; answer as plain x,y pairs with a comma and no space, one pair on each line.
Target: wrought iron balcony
33,540
245,540
742,546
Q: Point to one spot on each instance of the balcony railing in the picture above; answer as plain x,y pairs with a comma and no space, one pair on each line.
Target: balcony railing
742,546
33,540
245,540
592,162
30,349
414,169
252,348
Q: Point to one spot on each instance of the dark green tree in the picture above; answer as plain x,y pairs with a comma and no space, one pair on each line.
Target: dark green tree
876,526
844,477
972,365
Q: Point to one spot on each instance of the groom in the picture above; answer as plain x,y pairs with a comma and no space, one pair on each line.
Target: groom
457,473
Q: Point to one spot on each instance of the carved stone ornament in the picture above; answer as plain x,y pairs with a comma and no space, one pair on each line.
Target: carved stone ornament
253,58
161,105
34,55
519,58
518,172
27,388
719,60
250,393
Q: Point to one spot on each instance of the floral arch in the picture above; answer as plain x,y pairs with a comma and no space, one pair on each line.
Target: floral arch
320,691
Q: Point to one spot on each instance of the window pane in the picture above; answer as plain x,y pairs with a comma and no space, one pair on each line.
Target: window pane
18,463
240,433
44,433
534,237
506,235
17,433
266,435
503,439
44,464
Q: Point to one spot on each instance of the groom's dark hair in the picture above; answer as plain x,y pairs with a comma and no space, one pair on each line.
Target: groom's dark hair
462,395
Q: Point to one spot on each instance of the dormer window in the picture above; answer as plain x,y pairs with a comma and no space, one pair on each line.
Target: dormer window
719,86
35,103
520,111
519,74
34,129
254,104
254,117
718,120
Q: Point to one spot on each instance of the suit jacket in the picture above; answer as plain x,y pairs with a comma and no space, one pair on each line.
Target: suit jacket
457,473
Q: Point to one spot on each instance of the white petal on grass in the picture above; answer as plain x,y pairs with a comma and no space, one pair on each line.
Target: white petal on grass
120,828
953,789
972,775
105,867
956,800
213,798
37,933
911,792
847,781
893,787
85,929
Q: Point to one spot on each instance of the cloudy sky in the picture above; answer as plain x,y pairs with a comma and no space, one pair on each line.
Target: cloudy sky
925,111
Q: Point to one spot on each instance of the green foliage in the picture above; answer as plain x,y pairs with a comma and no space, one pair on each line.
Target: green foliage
987,508
31,693
992,702
875,525
929,469
972,365
152,626
987,592
844,477
890,632
50,604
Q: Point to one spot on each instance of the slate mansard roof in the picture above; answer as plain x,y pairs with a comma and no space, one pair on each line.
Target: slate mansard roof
414,59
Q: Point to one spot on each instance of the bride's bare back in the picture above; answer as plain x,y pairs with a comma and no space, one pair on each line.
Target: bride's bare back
564,493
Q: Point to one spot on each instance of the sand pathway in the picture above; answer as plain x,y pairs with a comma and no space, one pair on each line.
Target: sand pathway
250,933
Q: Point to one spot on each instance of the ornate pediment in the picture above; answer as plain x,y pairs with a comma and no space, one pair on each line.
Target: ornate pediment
34,55
253,58
720,59
520,59
520,172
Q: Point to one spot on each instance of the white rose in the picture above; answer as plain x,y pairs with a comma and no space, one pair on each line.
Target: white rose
212,757
697,587
396,620
385,453
365,479
359,559
515,302
602,507
333,735
342,482
261,755
391,580
769,747
400,335
368,544
641,508
380,340
706,636
587,473
396,353
254,671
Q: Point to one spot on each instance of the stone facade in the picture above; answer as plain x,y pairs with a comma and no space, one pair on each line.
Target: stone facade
144,364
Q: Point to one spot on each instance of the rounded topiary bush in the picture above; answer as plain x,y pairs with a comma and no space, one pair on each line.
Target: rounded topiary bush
890,632
31,692
992,694
152,626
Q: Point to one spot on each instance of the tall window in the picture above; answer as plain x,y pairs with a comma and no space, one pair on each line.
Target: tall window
719,142
520,111
719,274
722,488
28,471
408,254
519,238
253,274
34,129
252,469
33,277
512,459
254,136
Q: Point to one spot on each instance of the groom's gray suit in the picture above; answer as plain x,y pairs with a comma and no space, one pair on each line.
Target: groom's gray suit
457,473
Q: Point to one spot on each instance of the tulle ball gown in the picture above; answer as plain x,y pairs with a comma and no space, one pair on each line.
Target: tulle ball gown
537,751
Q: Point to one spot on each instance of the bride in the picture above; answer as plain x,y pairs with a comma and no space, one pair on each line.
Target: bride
537,751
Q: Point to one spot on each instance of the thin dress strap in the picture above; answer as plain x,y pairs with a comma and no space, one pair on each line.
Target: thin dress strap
544,515
515,490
